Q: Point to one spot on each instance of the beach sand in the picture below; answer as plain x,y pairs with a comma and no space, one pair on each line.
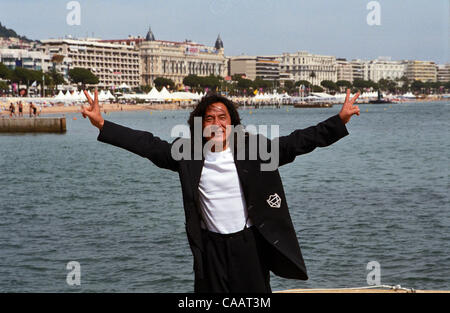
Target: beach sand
115,107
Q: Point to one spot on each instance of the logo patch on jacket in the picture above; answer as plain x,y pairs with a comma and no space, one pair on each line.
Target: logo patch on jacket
274,201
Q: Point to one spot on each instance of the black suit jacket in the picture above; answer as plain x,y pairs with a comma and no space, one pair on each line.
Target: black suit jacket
274,223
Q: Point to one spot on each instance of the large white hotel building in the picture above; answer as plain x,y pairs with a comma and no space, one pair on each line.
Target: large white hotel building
314,68
113,64
139,61
287,66
175,60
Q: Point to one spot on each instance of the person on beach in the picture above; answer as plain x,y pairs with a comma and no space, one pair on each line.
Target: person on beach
237,219
20,109
33,109
12,110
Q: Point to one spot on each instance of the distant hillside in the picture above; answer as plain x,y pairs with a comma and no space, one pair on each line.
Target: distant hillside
6,32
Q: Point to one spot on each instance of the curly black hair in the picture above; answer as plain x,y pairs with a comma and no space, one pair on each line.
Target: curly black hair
207,100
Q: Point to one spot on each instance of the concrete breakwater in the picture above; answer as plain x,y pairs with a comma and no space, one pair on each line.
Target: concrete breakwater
33,125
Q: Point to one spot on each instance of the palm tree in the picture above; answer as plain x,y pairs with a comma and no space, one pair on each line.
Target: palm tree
312,75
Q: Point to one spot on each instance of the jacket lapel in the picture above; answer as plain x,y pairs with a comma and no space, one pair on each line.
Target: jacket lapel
240,154
196,167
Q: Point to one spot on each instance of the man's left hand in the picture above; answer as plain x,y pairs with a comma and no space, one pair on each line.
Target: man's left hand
348,109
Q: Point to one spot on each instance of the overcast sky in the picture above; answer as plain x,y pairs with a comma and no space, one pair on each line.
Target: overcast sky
410,29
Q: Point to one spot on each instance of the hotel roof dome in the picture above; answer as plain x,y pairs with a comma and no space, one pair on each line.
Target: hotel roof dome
150,36
219,43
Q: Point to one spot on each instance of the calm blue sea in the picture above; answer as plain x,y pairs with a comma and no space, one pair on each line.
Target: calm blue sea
380,194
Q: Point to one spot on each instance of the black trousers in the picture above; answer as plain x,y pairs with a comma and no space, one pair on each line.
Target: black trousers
234,263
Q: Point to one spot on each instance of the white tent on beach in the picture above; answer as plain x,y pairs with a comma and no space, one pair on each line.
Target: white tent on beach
59,96
408,95
109,95
78,96
68,96
368,95
165,94
154,95
102,95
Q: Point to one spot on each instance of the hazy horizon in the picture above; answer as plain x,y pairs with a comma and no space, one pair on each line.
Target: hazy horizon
413,30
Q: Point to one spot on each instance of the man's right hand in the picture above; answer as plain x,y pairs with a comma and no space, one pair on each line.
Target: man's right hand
93,111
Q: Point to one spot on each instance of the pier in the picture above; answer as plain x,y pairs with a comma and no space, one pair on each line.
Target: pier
313,105
33,125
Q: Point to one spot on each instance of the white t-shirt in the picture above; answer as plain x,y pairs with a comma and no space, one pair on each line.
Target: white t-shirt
221,198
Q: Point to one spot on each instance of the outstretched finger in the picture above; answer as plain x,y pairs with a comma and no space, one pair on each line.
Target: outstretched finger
348,95
354,98
96,96
88,97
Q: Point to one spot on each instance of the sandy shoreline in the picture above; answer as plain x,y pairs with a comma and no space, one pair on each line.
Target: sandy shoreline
115,107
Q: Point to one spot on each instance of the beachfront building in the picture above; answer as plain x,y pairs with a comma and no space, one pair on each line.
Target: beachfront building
380,68
245,66
114,64
175,60
263,67
344,70
360,69
443,74
425,71
32,60
307,66
385,68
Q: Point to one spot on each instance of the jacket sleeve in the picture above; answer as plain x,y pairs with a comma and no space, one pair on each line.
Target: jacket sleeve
303,141
142,143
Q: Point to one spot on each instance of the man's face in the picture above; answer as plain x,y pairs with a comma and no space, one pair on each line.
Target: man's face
216,119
